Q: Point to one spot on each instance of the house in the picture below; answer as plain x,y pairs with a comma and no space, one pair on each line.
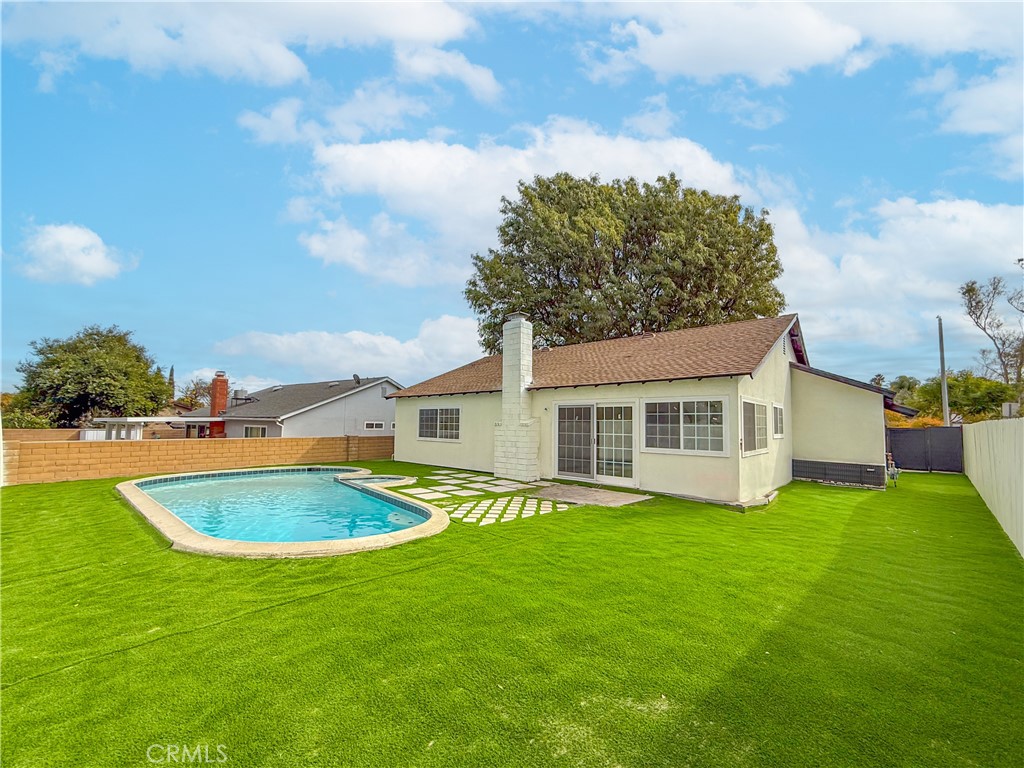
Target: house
727,413
355,406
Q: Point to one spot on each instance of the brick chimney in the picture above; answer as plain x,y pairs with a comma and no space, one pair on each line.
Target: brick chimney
218,402
517,436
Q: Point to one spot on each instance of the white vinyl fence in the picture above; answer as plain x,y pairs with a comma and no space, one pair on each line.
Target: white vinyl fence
994,461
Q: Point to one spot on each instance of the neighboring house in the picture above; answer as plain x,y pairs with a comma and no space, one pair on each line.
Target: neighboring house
353,406
726,413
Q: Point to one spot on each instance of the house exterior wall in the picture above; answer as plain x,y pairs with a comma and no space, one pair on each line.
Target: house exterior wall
346,416
709,477
835,422
761,473
474,450
236,428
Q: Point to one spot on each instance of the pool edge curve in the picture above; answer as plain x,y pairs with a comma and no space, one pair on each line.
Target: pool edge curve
185,538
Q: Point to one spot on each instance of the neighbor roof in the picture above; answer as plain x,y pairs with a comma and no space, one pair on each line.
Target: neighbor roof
731,349
286,399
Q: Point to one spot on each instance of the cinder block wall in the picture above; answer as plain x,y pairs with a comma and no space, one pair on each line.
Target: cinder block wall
40,435
31,462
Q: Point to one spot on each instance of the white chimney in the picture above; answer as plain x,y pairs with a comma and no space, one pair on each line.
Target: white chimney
517,435
516,366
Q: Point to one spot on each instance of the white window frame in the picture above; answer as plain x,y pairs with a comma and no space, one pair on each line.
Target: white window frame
373,425
439,408
780,433
460,424
680,451
756,403
247,427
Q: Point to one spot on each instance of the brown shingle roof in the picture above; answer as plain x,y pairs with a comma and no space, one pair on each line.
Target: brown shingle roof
732,349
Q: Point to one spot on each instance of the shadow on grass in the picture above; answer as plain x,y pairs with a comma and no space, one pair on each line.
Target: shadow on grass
907,650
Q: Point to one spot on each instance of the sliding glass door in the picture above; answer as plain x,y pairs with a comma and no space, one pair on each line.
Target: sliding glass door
596,442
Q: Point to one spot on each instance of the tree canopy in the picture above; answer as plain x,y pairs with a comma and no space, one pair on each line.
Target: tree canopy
589,260
973,397
98,371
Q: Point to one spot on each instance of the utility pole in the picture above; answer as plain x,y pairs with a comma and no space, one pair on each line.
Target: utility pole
942,376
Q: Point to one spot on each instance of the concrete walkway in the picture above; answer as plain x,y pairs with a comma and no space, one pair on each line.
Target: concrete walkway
578,494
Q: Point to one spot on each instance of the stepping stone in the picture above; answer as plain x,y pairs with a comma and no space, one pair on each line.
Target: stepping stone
466,476
486,521
416,491
529,513
562,507
458,513
546,511
445,488
430,496
492,487
541,483
445,472
439,478
481,486
466,492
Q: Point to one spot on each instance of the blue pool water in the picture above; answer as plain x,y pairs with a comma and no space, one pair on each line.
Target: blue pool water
279,507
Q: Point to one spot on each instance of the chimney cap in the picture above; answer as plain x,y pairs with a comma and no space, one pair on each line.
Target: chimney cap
219,375
517,316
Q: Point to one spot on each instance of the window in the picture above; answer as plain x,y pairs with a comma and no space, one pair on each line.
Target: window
777,420
662,426
439,423
251,431
696,426
392,426
373,425
755,427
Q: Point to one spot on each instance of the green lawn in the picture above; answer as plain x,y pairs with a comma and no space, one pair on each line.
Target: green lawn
835,627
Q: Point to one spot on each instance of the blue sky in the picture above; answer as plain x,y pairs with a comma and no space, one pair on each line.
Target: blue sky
292,192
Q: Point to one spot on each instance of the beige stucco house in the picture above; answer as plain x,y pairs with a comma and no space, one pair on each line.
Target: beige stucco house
726,413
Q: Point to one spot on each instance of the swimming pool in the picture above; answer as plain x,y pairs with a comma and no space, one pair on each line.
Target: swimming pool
294,511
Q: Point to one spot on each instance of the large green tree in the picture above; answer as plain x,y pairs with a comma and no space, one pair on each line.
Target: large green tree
589,260
98,371
973,397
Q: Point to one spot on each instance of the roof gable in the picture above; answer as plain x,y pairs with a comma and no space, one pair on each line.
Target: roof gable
287,400
730,349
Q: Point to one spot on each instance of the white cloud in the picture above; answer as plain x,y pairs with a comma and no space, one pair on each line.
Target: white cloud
654,120
386,251
748,112
69,253
248,382
441,344
431,63
881,290
376,107
768,43
249,41
705,41
991,106
455,190
279,124
51,65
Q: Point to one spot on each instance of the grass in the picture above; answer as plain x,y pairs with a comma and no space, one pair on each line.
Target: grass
835,627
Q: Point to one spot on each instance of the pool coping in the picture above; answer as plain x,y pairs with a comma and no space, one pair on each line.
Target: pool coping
185,538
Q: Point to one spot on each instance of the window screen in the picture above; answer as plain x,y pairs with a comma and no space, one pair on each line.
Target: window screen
662,425
439,423
755,426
